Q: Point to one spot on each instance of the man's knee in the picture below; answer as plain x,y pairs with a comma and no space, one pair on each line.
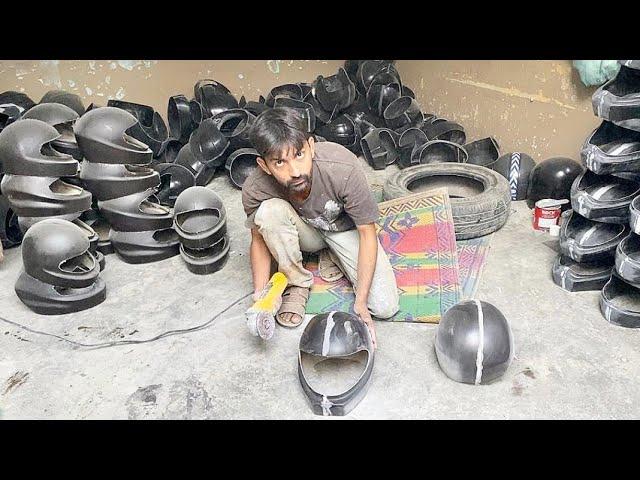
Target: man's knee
272,212
384,306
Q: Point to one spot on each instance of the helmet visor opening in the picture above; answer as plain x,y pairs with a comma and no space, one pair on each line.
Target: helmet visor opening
233,124
134,142
63,188
66,132
49,150
80,264
151,206
165,236
333,375
203,253
199,220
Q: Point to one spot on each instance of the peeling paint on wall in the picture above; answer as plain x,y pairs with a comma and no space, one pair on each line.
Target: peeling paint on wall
274,66
50,73
128,64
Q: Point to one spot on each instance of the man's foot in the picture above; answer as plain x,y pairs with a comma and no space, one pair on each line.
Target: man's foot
292,309
327,267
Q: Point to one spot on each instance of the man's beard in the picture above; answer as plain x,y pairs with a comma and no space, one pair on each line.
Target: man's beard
300,188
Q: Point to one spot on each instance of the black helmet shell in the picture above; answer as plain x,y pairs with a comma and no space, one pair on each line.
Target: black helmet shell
26,149
552,178
57,252
474,343
104,136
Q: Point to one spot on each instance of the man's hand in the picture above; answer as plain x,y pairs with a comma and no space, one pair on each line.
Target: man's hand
367,254
363,312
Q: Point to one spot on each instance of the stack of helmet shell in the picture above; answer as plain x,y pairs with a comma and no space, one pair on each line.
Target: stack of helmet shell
152,131
200,219
364,107
116,170
209,129
12,106
607,196
37,176
63,118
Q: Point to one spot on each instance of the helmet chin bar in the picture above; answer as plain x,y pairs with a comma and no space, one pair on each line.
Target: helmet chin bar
585,240
605,198
611,149
618,100
46,299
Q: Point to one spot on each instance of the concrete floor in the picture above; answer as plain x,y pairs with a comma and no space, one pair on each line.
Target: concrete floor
570,363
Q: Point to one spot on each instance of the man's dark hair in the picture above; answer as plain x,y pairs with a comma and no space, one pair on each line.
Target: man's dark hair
278,129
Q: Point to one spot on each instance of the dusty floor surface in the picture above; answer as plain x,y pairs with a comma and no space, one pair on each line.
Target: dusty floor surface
570,363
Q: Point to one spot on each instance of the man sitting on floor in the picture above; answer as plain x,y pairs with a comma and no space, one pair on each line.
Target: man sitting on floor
309,197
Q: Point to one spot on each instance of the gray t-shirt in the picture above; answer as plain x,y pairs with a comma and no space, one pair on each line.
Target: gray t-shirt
340,196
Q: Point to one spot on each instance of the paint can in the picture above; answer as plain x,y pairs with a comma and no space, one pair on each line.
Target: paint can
546,213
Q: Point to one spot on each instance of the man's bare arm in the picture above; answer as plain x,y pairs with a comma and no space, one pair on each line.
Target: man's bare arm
367,256
260,262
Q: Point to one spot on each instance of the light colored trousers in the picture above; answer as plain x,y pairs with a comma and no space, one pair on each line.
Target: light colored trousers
287,236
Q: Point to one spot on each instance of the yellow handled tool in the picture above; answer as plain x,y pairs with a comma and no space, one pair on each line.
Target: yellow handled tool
261,317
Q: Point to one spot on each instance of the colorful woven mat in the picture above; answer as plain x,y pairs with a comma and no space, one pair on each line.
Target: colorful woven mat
417,233
472,256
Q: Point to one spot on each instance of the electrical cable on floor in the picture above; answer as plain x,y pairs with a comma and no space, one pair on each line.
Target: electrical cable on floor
129,342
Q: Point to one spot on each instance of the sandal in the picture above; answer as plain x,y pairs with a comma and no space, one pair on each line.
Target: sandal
294,300
328,269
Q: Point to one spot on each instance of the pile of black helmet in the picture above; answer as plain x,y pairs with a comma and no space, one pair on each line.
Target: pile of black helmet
600,235
36,181
200,219
12,106
116,169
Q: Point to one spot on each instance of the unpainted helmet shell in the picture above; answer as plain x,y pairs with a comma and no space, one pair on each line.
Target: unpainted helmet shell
552,178
44,196
146,246
20,99
71,100
48,244
104,136
25,149
136,212
474,343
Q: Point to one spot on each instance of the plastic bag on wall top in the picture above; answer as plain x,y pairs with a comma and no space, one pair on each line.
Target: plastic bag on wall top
596,72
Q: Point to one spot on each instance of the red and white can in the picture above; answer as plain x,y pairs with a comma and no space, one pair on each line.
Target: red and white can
546,213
